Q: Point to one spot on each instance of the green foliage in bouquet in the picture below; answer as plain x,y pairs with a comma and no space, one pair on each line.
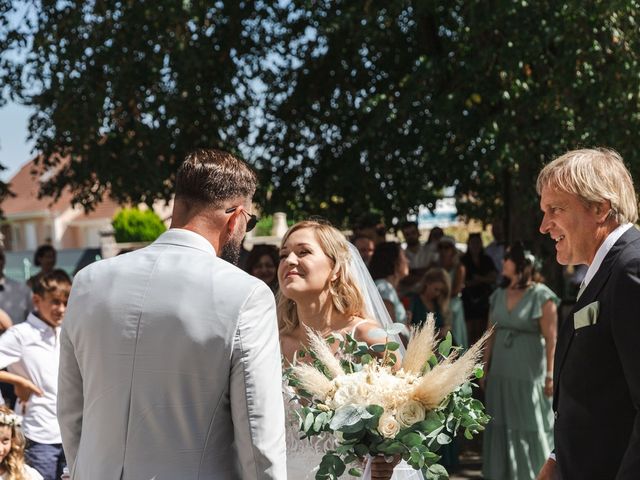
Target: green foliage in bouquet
373,408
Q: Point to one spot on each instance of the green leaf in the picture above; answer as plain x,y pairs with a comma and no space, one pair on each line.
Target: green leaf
412,439
349,416
478,372
308,422
437,472
361,449
393,448
444,439
445,345
319,421
378,347
355,472
392,346
366,358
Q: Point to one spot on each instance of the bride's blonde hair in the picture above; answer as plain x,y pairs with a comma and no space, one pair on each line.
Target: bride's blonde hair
344,293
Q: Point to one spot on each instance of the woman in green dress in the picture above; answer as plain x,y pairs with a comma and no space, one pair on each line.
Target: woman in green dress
519,382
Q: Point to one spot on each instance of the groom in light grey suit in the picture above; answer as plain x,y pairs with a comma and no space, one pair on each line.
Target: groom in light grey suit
170,362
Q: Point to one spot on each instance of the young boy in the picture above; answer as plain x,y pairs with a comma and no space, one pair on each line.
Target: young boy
31,352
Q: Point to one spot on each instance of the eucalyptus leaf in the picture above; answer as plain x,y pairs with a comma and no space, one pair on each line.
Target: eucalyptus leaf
445,345
437,472
308,422
392,346
347,416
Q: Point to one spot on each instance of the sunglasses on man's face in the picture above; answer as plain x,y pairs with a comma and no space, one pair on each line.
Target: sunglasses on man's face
252,220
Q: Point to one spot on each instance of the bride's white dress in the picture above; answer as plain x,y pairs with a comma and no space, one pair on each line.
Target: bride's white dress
304,456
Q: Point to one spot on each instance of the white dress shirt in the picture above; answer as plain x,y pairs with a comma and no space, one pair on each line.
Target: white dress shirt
609,242
32,350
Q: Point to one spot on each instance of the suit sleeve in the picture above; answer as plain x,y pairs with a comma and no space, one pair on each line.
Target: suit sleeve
70,396
257,408
626,332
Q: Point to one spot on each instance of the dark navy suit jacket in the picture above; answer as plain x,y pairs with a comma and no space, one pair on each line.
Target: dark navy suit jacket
597,374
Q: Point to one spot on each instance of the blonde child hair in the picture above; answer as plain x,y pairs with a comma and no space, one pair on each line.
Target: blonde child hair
13,462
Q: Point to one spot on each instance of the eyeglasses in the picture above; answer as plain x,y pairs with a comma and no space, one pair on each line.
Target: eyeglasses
252,219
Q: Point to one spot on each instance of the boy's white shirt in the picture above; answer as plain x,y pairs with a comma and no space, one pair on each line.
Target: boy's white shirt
32,350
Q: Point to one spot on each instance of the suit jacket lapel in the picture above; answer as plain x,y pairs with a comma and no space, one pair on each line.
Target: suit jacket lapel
589,295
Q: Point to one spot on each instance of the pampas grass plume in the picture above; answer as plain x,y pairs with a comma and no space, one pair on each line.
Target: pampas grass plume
448,375
323,353
312,380
421,347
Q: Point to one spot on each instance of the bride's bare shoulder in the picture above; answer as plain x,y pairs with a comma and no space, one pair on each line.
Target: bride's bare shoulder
363,329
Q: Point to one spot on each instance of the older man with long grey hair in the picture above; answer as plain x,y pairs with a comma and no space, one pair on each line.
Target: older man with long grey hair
589,206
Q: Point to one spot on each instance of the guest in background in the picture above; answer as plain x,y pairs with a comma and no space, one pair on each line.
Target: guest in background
31,351
45,257
12,466
15,297
433,297
479,282
519,382
449,259
388,266
365,246
419,256
370,225
262,263
497,247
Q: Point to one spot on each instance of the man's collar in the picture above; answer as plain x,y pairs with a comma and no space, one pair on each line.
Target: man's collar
611,239
40,324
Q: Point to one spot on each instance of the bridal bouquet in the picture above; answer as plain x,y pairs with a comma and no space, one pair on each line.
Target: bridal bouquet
372,408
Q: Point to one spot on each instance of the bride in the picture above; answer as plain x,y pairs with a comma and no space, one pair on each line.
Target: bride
323,287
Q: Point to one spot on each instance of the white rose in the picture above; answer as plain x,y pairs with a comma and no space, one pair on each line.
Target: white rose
410,412
388,426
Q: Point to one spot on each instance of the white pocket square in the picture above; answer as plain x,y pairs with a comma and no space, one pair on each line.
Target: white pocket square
586,316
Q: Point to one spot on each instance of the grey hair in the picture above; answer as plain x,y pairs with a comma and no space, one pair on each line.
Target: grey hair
594,175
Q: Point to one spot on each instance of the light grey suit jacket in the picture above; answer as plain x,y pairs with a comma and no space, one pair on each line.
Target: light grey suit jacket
170,368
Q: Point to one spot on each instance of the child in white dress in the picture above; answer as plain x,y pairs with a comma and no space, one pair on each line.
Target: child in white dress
12,466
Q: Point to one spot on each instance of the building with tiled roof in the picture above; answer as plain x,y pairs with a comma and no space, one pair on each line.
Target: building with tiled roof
31,221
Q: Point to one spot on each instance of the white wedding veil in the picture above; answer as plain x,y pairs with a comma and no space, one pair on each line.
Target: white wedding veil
374,305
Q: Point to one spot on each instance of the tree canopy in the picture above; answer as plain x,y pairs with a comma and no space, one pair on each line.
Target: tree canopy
123,90
386,103
344,107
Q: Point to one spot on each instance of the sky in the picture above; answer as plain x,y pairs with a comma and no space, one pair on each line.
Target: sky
15,150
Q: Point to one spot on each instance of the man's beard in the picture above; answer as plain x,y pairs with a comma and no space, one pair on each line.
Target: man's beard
231,250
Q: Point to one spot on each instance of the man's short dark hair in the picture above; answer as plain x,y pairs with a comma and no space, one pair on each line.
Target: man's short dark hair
211,176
